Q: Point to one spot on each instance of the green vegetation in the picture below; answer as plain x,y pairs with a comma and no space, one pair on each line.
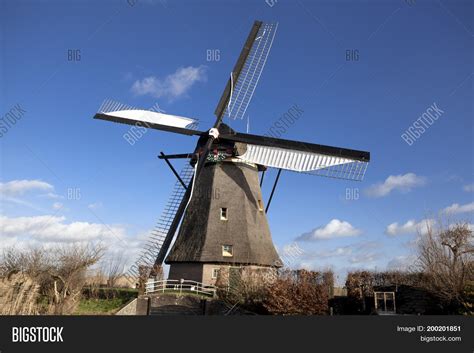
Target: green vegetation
99,306
104,301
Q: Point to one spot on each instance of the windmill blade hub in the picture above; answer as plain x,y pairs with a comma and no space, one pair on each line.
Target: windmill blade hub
214,133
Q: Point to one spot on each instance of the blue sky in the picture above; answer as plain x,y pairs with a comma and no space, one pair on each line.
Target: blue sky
411,55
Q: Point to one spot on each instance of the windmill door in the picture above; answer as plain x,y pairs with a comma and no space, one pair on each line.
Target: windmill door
234,277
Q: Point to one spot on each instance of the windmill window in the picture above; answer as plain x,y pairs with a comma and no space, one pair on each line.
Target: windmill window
227,250
224,214
215,273
260,205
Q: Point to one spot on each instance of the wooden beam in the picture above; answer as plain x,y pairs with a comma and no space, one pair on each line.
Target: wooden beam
273,190
173,170
175,156
261,179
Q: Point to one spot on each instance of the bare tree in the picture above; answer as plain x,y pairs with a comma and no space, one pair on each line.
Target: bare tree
446,257
114,269
157,272
67,273
10,262
143,275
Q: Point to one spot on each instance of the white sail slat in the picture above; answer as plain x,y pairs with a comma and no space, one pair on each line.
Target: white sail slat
305,162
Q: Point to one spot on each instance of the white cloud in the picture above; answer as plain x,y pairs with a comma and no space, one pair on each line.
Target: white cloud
365,258
410,227
57,205
403,183
362,254
457,208
342,251
52,195
17,201
95,205
356,249
55,229
12,191
19,187
334,229
172,86
49,232
401,263
469,187
366,254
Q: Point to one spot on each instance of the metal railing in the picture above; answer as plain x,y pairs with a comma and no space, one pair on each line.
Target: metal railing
180,286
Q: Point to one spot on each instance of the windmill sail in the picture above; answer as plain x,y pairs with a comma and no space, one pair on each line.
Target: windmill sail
247,81
247,70
305,162
147,116
124,114
301,156
154,245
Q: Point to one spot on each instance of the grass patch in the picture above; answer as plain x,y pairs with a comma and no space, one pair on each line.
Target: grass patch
104,301
99,306
109,293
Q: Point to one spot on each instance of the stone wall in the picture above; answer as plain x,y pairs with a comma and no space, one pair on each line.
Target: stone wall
129,309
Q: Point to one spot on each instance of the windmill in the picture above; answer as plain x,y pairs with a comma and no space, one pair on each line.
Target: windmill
230,230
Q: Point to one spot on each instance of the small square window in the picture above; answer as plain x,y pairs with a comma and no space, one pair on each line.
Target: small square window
227,250
215,272
224,214
260,205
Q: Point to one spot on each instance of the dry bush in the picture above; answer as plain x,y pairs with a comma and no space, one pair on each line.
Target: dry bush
59,273
445,255
18,295
247,289
299,293
276,292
